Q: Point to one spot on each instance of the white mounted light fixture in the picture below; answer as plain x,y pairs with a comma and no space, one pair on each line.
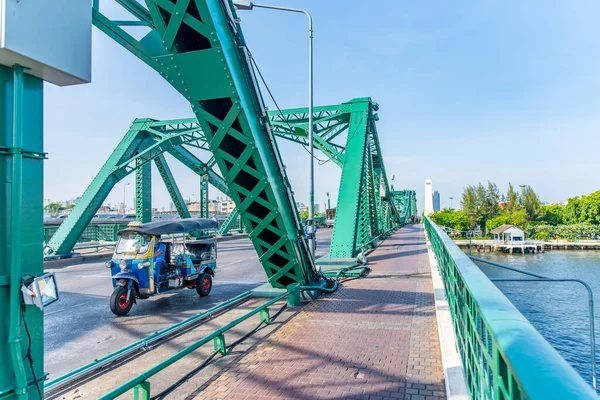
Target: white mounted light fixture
41,292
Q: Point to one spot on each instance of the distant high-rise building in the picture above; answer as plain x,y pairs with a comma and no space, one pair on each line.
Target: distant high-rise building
436,201
428,197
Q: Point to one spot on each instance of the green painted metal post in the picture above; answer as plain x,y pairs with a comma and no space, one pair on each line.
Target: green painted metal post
204,196
265,316
143,191
142,391
21,227
219,344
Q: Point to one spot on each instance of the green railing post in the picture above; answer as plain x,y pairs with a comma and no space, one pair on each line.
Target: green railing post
265,316
142,391
219,344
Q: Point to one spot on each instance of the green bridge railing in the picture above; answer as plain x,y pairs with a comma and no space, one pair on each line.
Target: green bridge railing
503,356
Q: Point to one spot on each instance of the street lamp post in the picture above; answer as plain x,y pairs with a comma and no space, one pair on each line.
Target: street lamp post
248,5
451,198
124,187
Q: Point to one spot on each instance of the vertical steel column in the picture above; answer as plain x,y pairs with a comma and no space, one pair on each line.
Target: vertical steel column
21,226
204,196
348,211
143,191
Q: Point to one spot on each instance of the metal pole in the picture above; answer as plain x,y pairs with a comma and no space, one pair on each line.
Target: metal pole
14,336
311,204
124,186
311,150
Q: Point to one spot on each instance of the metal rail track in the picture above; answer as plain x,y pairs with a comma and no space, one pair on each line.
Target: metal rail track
64,383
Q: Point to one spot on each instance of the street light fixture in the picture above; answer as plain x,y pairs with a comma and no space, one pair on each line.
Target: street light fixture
451,198
248,5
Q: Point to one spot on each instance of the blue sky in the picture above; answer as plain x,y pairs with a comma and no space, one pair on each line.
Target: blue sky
468,91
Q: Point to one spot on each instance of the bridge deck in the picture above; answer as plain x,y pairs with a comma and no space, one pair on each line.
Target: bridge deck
375,338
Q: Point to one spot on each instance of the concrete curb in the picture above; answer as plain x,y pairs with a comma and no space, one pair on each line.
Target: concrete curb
90,258
66,262
456,388
232,237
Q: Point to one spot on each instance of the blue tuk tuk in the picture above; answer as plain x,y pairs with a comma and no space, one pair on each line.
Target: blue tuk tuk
161,256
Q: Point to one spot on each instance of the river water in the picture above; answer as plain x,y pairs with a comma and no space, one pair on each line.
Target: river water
559,311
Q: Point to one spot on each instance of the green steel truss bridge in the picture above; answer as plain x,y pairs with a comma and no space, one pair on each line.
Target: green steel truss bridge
198,47
368,204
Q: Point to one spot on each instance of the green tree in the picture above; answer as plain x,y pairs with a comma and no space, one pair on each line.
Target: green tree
518,218
531,203
495,222
469,206
553,214
571,213
512,199
490,204
481,204
53,208
451,219
589,211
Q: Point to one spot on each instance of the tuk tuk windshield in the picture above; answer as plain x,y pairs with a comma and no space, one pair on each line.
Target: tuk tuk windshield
133,243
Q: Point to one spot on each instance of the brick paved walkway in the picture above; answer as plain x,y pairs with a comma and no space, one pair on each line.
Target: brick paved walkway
375,338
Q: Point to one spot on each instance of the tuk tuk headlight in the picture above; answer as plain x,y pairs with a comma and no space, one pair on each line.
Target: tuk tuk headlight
123,265
144,264
108,264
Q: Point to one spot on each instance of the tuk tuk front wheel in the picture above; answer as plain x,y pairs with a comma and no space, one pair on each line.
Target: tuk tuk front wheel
204,284
119,303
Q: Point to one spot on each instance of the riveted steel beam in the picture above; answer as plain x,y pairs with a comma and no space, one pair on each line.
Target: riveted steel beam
169,181
143,190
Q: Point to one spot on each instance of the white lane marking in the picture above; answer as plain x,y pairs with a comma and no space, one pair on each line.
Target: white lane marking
239,282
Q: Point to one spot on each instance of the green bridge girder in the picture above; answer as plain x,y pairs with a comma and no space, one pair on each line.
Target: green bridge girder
406,202
366,212
169,180
375,216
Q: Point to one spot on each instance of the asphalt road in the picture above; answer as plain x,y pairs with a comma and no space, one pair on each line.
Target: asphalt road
80,327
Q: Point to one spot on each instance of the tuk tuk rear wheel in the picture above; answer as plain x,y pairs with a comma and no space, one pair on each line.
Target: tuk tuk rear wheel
119,304
204,284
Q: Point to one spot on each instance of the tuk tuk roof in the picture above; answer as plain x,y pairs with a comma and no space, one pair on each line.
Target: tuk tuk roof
158,228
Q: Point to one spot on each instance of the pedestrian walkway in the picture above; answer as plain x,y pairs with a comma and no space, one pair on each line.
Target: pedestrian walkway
375,338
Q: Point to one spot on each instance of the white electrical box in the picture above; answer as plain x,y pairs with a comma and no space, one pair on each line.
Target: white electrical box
51,38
